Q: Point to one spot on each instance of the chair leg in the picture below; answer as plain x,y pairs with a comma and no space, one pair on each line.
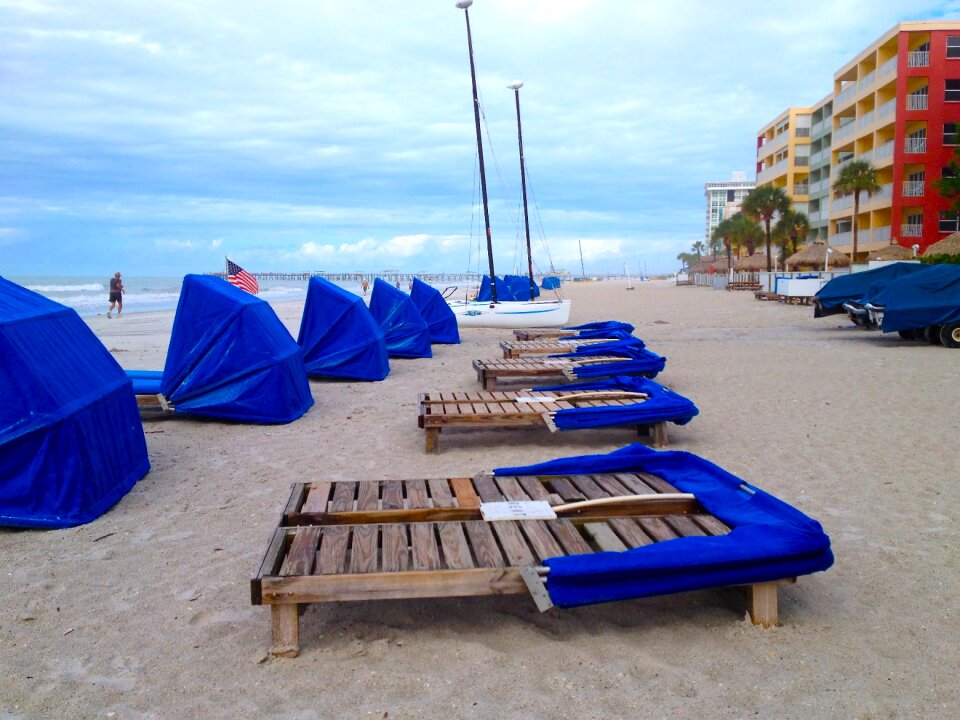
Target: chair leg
285,628
432,439
660,435
762,603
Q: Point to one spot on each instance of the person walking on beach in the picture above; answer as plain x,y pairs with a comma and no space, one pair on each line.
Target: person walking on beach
364,285
116,295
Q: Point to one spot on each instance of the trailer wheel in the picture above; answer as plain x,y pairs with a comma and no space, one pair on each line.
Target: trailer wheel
931,333
950,335
910,334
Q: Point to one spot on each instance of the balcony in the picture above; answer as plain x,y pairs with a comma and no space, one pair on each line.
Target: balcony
913,188
917,101
880,233
815,217
918,58
801,189
841,238
845,95
865,120
801,160
883,151
817,128
867,81
888,108
915,145
841,203
911,231
843,131
887,67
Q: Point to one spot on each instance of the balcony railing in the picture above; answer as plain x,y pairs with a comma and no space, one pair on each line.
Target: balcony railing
841,238
918,58
915,145
801,160
845,95
880,233
911,230
917,101
801,132
913,188
843,131
883,151
841,203
815,216
887,67
801,189
887,108
865,120
817,128
867,80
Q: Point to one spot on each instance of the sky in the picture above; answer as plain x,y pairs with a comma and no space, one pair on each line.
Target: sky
159,137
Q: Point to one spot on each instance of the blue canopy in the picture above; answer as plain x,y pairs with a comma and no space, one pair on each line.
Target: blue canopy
406,331
662,405
231,358
339,336
520,287
846,288
641,362
71,440
503,290
931,297
600,328
436,313
769,539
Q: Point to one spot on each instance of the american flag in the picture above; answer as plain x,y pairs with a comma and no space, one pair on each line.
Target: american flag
236,275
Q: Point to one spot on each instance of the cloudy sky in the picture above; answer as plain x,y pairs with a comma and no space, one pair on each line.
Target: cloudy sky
158,137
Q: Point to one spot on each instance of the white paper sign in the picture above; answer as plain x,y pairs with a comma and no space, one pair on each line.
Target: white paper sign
534,399
517,510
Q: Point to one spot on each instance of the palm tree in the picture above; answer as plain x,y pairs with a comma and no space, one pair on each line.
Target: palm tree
698,248
856,176
745,233
723,233
762,204
792,225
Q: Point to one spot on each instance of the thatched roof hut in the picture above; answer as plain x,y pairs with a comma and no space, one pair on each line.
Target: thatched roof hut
893,251
755,263
719,263
950,245
813,257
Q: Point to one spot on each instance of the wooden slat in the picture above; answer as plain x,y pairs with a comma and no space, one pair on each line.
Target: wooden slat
604,537
466,495
571,540
657,529
363,548
392,494
297,494
343,493
456,552
511,488
541,541
395,553
657,483
368,495
317,498
416,494
565,489
423,546
711,525
588,487
487,489
300,556
440,492
484,544
684,526
534,488
513,544
611,485
632,534
332,558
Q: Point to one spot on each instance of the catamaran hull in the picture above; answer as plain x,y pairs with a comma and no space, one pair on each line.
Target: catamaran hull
512,314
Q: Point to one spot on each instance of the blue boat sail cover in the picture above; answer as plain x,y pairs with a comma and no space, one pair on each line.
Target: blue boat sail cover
661,405
846,288
769,539
406,331
600,328
504,292
231,358
339,336
71,440
520,287
931,297
435,311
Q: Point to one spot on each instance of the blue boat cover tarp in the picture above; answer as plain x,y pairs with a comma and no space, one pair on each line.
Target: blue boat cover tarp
71,440
852,288
662,405
339,336
520,287
931,297
503,291
231,358
406,331
641,362
629,347
436,313
769,539
600,328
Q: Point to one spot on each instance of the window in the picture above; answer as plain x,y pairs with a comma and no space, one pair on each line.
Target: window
953,46
915,219
949,222
948,171
950,134
953,91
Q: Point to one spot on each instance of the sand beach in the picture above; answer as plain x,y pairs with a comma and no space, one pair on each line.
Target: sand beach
145,613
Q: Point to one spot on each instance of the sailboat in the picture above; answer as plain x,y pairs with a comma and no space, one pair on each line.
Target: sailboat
495,312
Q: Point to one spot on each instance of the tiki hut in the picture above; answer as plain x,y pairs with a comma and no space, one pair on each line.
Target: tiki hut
755,263
813,257
950,245
893,251
718,262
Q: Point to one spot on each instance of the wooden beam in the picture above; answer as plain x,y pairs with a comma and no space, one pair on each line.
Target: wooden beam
285,630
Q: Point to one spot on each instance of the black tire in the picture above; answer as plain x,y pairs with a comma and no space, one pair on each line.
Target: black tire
931,333
910,334
950,335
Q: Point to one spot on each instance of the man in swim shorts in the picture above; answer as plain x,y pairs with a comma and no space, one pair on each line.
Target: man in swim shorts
116,295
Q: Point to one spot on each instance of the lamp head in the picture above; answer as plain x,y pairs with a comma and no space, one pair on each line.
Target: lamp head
464,4
515,85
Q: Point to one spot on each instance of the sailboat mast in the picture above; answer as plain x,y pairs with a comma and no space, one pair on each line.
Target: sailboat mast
523,185
463,5
582,271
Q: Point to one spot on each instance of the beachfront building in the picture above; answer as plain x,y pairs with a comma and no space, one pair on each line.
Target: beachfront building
897,105
724,199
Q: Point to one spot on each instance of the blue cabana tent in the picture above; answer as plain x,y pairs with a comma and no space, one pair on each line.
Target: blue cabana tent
71,440
931,297
661,405
503,290
769,539
436,313
851,288
339,336
406,331
230,358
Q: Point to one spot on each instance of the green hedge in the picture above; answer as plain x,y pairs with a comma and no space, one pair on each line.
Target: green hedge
941,260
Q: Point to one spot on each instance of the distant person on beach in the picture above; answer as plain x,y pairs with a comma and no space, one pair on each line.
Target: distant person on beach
365,285
116,295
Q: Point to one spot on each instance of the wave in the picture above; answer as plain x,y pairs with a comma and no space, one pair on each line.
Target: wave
86,287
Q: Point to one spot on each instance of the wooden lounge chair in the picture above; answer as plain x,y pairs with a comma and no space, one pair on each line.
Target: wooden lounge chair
345,540
519,409
489,372
520,348
543,333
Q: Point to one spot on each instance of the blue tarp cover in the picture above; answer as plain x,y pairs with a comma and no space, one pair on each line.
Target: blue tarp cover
663,405
503,290
231,358
520,287
769,540
436,313
639,362
339,336
931,297
600,328
846,288
406,331
146,382
630,347
71,440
